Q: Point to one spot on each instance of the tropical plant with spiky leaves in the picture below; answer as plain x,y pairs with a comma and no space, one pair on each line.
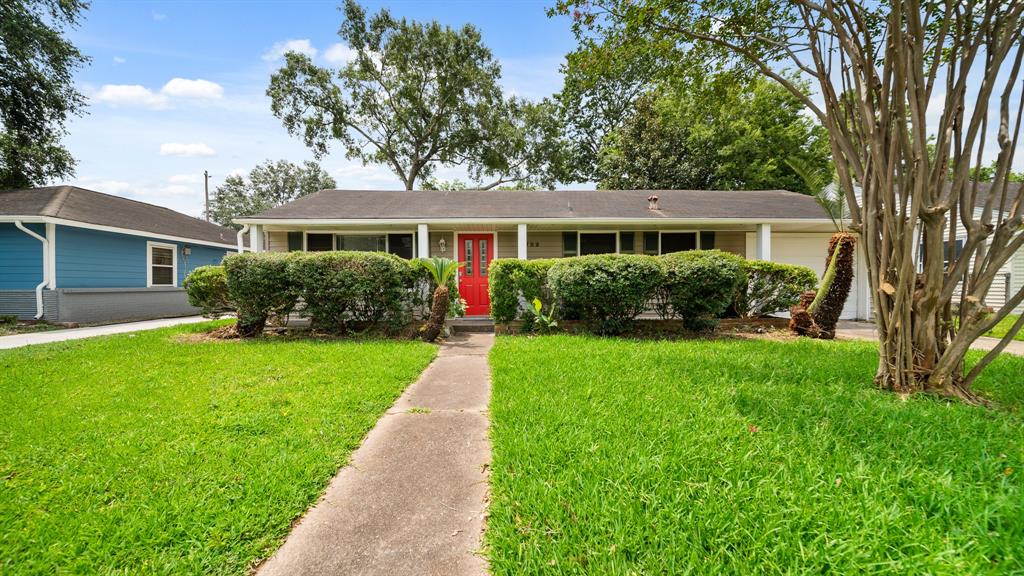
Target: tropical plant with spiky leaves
441,271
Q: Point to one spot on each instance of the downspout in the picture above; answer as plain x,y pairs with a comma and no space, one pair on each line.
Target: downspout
241,241
46,267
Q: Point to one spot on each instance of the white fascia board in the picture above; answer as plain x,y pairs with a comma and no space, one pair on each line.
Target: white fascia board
611,221
114,229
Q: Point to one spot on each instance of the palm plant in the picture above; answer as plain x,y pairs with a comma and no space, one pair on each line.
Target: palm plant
818,314
441,271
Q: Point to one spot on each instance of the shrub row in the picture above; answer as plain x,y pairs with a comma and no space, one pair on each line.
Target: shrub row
338,291
608,292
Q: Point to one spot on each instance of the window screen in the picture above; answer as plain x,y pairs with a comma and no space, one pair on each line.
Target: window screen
569,244
627,242
294,241
651,243
161,266
707,240
319,242
400,245
361,242
602,243
678,242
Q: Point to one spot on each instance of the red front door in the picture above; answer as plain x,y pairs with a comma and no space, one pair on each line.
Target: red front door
475,252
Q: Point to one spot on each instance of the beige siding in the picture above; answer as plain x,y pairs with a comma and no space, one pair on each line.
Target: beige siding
507,245
735,242
277,241
543,245
435,244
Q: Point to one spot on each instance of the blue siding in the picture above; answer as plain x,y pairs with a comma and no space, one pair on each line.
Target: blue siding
95,259
21,257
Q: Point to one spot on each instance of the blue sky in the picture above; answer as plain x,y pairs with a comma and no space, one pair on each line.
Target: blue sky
176,88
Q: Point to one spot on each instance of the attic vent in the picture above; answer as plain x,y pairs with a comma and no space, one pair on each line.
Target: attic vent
652,202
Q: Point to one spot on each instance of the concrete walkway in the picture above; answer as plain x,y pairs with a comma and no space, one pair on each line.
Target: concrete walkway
866,331
412,499
19,340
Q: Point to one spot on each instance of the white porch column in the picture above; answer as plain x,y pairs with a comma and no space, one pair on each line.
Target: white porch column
764,241
256,238
521,241
422,241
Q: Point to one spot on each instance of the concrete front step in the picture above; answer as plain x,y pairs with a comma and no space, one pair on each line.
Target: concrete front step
471,325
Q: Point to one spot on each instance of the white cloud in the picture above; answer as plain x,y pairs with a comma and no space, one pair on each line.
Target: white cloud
119,60
130,95
185,179
198,88
238,172
177,149
279,49
339,54
159,16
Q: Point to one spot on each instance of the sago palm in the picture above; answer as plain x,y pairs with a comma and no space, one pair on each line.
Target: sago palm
441,271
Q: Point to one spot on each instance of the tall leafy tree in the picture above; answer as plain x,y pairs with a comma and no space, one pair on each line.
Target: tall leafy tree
37,89
417,95
268,185
910,93
720,132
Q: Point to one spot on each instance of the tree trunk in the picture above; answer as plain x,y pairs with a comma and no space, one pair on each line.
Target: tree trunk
818,312
438,312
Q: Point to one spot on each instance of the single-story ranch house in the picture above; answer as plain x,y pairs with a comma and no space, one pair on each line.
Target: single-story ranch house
73,255
477,226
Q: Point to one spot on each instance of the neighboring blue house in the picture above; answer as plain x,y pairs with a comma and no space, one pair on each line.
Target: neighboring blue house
68,254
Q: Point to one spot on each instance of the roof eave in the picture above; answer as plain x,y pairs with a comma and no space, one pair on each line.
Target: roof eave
526,220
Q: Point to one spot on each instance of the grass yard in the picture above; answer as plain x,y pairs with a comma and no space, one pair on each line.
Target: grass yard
744,457
1004,326
146,454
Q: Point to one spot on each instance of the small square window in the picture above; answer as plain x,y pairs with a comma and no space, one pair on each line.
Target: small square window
597,243
651,243
319,242
627,242
569,244
707,240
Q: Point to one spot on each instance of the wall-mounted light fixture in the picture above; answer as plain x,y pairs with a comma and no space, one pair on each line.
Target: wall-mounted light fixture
442,245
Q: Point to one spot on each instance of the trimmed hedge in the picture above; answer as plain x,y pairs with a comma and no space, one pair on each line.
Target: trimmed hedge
346,290
260,287
513,282
607,291
207,289
772,287
699,285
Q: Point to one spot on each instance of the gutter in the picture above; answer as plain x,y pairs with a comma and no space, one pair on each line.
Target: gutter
46,267
241,242
531,220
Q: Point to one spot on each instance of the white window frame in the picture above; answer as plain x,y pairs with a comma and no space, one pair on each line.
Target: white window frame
149,264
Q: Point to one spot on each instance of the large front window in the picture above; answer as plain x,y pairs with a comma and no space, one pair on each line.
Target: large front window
362,242
598,243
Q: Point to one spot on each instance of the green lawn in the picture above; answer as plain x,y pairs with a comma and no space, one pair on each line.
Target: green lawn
744,457
1004,326
144,454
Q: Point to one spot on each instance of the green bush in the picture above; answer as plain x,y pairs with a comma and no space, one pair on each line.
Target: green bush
513,282
699,285
343,291
260,288
207,289
772,287
607,291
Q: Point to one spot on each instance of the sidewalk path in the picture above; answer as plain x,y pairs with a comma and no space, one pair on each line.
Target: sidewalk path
412,499
866,331
19,340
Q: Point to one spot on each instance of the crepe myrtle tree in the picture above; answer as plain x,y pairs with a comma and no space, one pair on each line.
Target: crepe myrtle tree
889,79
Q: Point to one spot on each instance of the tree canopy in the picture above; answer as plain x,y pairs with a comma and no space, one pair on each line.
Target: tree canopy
415,96
719,133
268,185
37,89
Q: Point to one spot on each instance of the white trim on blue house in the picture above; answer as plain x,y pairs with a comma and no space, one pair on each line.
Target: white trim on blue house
114,229
149,264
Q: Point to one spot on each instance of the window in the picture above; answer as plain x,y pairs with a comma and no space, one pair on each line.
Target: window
627,242
957,246
598,243
295,241
401,245
469,258
569,244
319,242
678,242
162,264
362,242
651,243
483,257
707,240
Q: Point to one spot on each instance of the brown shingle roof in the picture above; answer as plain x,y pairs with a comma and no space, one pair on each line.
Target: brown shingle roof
570,204
91,207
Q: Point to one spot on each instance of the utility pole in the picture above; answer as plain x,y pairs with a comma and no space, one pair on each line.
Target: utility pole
206,188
